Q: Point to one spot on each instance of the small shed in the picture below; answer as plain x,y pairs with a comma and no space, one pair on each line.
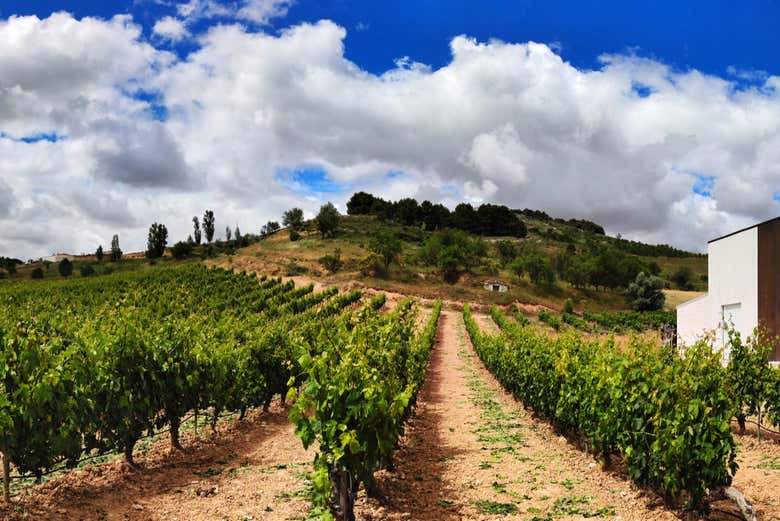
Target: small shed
496,285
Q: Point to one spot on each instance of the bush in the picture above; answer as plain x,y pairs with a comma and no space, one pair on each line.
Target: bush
65,267
87,270
550,319
683,277
37,273
568,306
372,265
332,263
294,235
182,250
294,269
387,245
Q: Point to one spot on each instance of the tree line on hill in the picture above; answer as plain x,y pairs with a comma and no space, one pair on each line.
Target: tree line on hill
625,245
487,219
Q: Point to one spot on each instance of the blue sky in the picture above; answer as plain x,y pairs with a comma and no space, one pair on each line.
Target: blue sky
658,120
715,37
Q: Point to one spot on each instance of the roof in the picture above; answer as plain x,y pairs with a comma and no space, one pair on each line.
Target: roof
743,230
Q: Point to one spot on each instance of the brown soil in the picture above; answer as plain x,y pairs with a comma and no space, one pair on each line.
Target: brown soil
251,470
471,451
758,476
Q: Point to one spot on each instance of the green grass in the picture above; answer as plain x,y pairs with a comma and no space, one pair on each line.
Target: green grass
493,507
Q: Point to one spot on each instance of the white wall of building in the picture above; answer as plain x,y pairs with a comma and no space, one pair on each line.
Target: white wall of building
733,286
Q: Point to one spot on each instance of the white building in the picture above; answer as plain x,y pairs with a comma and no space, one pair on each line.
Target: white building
495,285
744,288
57,257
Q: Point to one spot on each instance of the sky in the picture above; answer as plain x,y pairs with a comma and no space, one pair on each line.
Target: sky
660,121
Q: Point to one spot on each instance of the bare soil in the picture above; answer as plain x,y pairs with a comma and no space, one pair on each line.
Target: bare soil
471,452
253,469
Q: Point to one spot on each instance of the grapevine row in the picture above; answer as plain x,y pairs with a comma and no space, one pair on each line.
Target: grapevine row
668,415
90,366
360,379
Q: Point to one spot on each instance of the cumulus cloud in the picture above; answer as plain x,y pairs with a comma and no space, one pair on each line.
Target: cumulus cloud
170,28
257,11
623,144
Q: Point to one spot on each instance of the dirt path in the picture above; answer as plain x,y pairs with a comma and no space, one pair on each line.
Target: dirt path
254,469
472,453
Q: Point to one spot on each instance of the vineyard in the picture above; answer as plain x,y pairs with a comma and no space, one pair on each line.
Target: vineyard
90,367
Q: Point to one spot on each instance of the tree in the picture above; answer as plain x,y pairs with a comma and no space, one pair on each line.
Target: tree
328,220
9,264
65,267
156,241
683,277
228,233
452,251
538,268
37,273
293,219
196,230
269,228
237,235
116,251
465,218
360,203
507,250
99,253
407,211
208,225
646,293
386,245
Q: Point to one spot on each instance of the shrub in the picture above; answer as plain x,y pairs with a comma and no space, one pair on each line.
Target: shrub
294,235
87,270
294,269
332,263
37,273
683,277
182,250
65,267
371,265
550,319
568,306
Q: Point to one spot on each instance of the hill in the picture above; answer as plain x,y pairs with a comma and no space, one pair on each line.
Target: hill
427,250
415,272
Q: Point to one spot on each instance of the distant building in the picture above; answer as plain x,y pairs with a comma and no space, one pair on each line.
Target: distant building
496,285
744,288
58,257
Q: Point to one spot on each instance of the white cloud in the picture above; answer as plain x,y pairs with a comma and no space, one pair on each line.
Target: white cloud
170,28
503,122
257,11
263,11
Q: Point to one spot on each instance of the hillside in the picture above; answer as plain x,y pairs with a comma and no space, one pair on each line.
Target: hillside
278,255
437,253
